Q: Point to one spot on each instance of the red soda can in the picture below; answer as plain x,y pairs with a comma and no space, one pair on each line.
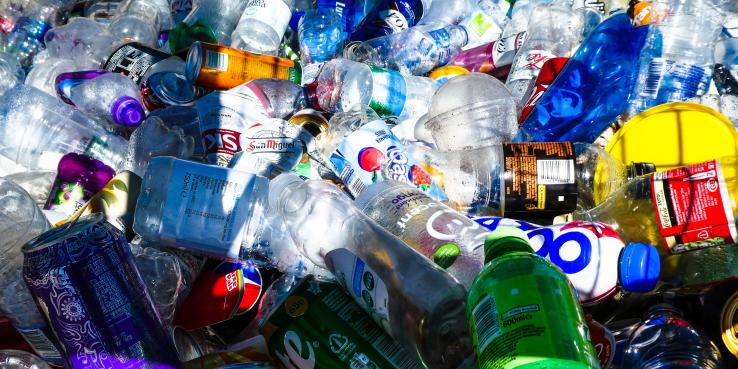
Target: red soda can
550,69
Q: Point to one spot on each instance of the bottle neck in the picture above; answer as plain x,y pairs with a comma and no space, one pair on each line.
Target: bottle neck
496,248
310,94
634,170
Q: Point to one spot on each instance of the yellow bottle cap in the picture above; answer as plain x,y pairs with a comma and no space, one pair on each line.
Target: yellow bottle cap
447,71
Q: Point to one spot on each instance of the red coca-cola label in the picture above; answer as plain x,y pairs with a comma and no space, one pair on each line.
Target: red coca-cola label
221,143
602,340
549,71
693,208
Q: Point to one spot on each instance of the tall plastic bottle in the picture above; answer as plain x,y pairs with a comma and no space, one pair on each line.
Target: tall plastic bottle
416,50
417,303
593,89
676,62
390,16
518,293
666,340
555,32
111,97
343,85
262,26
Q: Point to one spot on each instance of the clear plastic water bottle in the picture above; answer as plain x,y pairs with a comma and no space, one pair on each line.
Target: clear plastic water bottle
11,72
320,32
416,50
57,130
676,62
139,21
390,16
666,340
155,138
418,304
22,221
26,38
111,97
262,25
485,22
343,85
16,359
83,41
43,74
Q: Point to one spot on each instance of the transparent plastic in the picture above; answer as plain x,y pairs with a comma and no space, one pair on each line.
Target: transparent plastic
154,138
256,33
15,359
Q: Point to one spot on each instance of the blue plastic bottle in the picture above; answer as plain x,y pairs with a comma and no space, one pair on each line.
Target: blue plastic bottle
592,89
388,17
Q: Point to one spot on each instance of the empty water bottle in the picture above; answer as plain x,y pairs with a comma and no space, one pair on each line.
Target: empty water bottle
262,25
110,97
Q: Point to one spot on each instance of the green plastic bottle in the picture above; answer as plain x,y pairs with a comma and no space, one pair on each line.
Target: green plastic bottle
522,310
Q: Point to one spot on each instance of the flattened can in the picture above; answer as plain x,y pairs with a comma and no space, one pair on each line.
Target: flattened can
86,285
221,68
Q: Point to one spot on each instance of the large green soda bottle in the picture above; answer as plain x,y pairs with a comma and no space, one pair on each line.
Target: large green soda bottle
522,311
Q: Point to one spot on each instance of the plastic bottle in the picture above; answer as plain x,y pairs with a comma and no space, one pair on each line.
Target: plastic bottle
262,25
209,21
678,210
390,16
571,175
11,72
485,22
555,32
363,150
418,304
16,359
343,85
87,43
272,97
155,138
676,62
26,38
112,97
57,130
101,11
416,50
592,255
22,221
320,32
518,291
494,58
78,178
725,82
666,340
138,21
592,90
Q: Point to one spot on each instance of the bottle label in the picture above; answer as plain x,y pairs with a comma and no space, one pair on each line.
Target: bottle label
67,197
539,176
134,60
584,251
272,12
207,208
41,343
693,207
224,116
514,324
396,16
668,81
299,335
373,153
362,283
442,41
529,64
389,91
273,145
180,9
480,28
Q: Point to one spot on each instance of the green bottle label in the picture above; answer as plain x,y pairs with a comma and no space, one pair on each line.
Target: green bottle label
528,319
389,92
319,326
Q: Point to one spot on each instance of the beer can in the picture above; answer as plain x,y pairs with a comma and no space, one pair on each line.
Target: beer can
86,285
221,68
134,60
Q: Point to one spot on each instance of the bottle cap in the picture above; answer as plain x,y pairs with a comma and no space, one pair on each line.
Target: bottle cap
640,267
504,240
127,112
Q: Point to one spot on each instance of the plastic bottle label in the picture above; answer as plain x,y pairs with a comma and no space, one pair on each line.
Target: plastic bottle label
41,344
388,93
373,153
693,207
272,12
539,176
273,144
301,337
67,197
679,80
224,68
442,41
584,251
529,64
362,283
512,324
205,207
480,27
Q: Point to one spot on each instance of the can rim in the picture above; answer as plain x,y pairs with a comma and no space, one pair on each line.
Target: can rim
55,236
194,62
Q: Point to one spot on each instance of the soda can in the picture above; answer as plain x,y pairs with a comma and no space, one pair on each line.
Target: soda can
162,90
86,285
134,60
221,68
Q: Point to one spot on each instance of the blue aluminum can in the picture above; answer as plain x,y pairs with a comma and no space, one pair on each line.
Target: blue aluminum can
86,284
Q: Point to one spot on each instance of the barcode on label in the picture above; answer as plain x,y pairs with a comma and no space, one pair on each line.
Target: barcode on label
216,60
555,171
653,81
395,354
41,344
486,322
355,185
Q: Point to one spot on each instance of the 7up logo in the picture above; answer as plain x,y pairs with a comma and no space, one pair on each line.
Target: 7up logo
298,355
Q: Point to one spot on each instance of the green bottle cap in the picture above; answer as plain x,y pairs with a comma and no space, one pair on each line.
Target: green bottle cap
504,240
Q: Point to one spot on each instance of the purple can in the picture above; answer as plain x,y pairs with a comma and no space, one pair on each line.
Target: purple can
86,285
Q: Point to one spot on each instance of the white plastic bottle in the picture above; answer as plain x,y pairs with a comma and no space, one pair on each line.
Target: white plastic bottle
262,26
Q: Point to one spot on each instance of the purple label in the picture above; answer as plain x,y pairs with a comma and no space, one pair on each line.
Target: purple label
89,289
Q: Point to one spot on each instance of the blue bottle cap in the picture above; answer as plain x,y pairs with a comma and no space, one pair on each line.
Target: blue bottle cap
640,266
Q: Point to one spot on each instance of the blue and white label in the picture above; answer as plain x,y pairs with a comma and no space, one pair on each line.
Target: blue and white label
373,153
587,252
389,92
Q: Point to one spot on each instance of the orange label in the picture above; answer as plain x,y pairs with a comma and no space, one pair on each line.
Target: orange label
224,67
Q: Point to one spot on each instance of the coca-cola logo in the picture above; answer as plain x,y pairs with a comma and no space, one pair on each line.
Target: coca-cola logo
221,141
